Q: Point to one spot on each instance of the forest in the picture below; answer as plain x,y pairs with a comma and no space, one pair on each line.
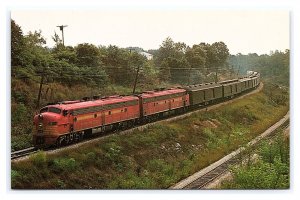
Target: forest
73,72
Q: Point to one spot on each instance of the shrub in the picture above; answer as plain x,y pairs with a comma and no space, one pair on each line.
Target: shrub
39,159
91,157
64,164
271,171
60,184
15,175
113,152
21,141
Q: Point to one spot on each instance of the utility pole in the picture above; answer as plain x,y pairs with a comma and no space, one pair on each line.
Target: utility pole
40,90
136,77
237,74
216,78
61,27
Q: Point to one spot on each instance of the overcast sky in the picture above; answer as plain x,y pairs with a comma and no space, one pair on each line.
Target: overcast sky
242,31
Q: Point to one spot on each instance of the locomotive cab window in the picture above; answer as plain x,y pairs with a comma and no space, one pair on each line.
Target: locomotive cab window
44,110
125,110
109,112
54,110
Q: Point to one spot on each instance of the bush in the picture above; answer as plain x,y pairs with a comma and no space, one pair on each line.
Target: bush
271,171
113,152
91,157
15,175
21,141
60,184
64,164
39,159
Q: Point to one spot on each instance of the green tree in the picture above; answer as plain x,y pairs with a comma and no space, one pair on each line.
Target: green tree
121,64
87,55
171,61
57,40
17,44
273,66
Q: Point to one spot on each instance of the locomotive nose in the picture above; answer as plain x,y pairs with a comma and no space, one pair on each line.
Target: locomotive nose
38,137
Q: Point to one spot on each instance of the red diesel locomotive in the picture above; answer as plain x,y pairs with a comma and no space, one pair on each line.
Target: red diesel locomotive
70,121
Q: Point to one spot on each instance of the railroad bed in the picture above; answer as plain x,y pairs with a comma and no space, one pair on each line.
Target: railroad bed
209,174
23,152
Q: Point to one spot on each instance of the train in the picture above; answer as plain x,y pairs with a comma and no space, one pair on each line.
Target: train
68,122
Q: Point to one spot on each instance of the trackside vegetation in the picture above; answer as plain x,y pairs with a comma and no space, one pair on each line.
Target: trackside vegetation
160,155
269,171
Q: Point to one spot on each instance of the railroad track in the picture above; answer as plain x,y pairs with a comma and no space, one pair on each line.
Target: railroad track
31,150
202,178
212,175
23,152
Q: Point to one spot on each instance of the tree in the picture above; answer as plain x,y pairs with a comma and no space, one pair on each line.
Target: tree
196,56
217,55
171,61
56,39
87,55
35,39
17,44
273,66
67,54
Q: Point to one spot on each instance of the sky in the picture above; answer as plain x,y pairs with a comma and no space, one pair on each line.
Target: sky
243,31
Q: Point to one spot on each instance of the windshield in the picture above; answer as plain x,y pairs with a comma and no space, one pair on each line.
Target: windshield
50,109
54,110
44,110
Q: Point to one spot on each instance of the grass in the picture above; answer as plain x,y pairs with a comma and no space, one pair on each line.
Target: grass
159,156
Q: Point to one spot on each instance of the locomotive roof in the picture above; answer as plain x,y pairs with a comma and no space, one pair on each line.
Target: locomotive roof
149,94
98,102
